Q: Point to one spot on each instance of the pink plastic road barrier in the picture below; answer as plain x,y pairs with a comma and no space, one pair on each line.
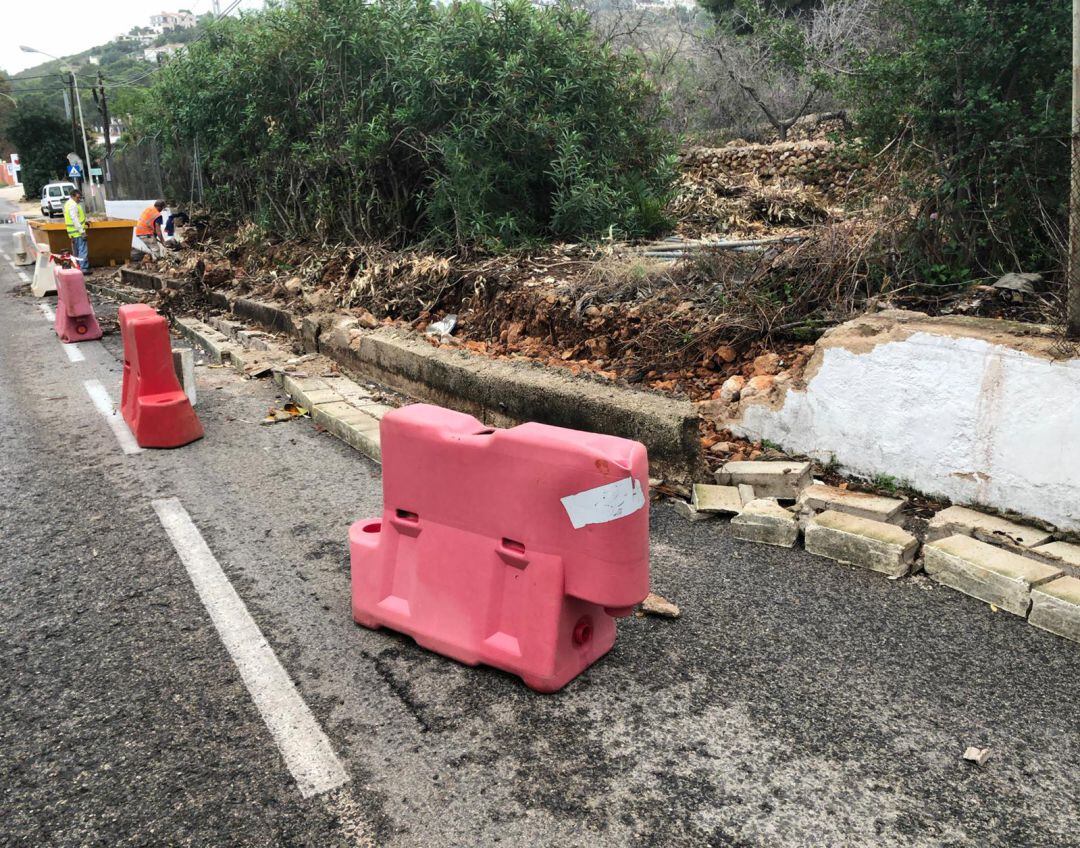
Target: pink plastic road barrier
152,402
514,548
75,320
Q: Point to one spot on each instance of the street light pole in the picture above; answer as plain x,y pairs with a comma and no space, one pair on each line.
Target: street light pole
78,106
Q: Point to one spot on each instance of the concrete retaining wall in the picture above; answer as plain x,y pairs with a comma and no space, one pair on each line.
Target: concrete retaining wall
504,393
979,411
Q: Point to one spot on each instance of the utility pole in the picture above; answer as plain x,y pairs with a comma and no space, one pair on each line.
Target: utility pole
217,8
106,129
1072,296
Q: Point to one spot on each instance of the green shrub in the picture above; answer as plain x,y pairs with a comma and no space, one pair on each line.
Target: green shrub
408,121
977,91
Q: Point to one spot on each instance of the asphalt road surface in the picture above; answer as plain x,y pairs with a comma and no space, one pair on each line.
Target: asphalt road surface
795,703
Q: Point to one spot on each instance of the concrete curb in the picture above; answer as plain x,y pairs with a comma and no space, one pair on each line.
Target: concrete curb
500,393
338,405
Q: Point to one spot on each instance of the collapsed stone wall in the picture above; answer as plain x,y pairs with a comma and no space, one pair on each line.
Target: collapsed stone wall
819,163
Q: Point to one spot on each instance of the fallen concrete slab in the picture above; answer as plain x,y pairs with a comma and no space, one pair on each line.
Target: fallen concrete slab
863,542
986,528
784,480
986,572
765,521
721,499
1055,607
1065,553
875,507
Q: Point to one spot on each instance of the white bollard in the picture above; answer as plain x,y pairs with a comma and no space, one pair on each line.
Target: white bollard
44,276
19,248
184,364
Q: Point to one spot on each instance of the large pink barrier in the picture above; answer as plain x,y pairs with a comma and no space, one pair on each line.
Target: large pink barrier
513,548
75,319
152,402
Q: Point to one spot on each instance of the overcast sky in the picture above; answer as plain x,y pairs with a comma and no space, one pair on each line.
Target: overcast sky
65,27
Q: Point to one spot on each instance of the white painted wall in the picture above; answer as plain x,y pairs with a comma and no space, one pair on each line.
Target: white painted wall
976,421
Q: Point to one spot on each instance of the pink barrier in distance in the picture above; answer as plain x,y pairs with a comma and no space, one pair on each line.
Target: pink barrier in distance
75,320
513,548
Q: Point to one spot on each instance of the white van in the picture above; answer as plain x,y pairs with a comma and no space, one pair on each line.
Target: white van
53,198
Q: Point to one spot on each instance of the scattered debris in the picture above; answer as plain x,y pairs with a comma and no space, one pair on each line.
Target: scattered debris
979,756
443,327
287,413
658,605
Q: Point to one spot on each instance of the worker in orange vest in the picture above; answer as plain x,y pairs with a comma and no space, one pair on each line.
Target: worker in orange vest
148,229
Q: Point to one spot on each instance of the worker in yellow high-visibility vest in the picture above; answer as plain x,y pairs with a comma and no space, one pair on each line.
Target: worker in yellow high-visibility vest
75,219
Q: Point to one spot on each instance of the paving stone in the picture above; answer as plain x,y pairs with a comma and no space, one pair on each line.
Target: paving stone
1064,552
987,528
821,497
855,540
724,499
778,479
764,520
986,572
1055,606
689,513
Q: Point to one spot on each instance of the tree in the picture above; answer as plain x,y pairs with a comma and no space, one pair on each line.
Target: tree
43,142
785,57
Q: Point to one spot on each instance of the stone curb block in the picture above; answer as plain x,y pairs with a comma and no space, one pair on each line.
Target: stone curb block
721,499
1055,607
863,542
784,480
986,572
766,522
819,497
986,528
216,345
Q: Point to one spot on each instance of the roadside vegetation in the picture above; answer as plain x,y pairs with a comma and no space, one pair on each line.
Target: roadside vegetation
410,121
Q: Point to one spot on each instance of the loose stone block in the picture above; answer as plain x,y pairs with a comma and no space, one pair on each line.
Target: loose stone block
724,499
1060,552
876,507
767,522
784,480
855,540
1055,607
986,572
689,513
746,493
987,528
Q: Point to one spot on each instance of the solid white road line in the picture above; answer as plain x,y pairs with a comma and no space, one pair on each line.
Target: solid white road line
303,745
46,310
22,276
104,405
73,352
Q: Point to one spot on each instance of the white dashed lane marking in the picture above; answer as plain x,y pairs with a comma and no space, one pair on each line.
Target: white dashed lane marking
105,406
73,352
305,748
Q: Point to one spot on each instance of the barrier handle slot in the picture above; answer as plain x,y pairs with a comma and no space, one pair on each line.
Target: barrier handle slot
512,553
406,522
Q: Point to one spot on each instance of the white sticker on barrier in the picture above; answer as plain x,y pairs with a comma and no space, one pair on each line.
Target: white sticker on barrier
604,503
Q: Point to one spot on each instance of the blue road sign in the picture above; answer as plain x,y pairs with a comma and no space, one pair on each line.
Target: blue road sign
74,171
